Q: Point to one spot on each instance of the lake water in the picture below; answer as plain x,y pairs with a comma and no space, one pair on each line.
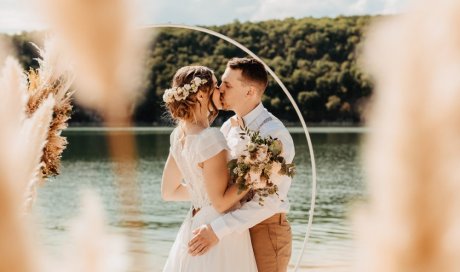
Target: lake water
86,164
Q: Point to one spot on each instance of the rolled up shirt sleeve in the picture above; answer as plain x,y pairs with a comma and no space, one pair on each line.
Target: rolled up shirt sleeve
250,214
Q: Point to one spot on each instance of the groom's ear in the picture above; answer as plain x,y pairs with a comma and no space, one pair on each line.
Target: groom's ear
251,91
254,91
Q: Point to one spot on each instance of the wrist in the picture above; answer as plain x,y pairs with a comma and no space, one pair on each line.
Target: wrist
219,228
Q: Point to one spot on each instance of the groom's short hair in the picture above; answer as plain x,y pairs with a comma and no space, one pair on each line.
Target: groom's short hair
251,70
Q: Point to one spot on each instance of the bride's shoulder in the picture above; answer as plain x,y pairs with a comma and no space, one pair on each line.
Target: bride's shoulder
211,137
177,134
174,133
211,133
210,142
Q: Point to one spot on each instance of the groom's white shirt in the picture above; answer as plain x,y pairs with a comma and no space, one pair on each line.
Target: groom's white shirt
251,213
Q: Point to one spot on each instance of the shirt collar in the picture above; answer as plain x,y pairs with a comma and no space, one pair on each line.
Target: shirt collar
252,115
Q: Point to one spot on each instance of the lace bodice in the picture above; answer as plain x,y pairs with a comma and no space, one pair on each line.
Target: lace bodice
189,151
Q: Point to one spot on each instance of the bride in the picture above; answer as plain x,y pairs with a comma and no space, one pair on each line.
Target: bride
196,171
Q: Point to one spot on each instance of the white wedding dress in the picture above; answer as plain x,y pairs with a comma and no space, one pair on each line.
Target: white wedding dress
234,251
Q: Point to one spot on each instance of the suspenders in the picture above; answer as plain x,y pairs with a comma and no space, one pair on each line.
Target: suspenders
268,119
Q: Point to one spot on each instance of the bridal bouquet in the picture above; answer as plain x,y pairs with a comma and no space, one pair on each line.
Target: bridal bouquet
254,167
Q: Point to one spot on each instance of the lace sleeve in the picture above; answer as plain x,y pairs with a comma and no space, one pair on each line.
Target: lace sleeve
210,143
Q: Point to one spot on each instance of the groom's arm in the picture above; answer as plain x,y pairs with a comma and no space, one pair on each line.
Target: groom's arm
251,213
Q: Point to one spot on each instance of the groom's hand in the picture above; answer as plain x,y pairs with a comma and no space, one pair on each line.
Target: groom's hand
204,238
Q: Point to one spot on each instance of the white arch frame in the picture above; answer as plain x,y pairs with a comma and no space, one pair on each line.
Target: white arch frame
291,99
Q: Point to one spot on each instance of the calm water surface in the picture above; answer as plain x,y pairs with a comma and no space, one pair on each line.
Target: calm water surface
86,165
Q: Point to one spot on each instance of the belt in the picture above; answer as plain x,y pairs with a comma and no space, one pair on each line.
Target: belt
276,218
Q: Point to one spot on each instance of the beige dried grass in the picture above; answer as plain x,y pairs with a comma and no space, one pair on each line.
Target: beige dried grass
21,142
100,38
413,151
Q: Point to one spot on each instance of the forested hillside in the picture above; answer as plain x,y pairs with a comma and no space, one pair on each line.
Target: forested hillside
315,59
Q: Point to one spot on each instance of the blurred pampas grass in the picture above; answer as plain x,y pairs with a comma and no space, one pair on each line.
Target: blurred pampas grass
23,95
16,169
107,52
6,50
36,89
100,37
13,92
413,152
22,142
32,140
93,248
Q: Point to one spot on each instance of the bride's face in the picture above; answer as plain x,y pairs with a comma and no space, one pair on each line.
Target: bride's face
216,94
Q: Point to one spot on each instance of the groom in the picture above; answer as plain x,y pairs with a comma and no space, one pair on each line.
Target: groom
242,88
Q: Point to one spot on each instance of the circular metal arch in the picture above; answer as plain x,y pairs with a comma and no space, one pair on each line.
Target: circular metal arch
299,114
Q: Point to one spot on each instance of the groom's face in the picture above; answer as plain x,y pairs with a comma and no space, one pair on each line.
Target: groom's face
232,88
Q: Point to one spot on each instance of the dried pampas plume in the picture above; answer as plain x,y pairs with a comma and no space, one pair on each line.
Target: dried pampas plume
6,49
412,154
94,249
106,51
51,78
21,141
13,92
100,37
32,140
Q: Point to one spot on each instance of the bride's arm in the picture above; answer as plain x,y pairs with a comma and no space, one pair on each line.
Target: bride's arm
216,179
172,188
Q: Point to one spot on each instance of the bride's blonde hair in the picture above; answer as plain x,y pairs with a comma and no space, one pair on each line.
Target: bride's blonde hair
184,110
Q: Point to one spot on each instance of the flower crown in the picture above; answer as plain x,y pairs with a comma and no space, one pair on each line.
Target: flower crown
181,93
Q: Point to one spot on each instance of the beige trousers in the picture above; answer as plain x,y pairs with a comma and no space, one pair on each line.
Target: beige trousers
272,243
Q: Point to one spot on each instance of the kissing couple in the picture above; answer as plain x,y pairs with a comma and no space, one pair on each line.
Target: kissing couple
229,227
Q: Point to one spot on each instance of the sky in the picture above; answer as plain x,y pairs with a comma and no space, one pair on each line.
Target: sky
17,15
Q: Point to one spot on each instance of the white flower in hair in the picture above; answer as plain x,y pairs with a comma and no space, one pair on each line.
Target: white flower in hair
185,93
178,94
197,81
168,96
181,93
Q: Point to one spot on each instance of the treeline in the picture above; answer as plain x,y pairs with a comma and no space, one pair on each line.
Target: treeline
315,58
